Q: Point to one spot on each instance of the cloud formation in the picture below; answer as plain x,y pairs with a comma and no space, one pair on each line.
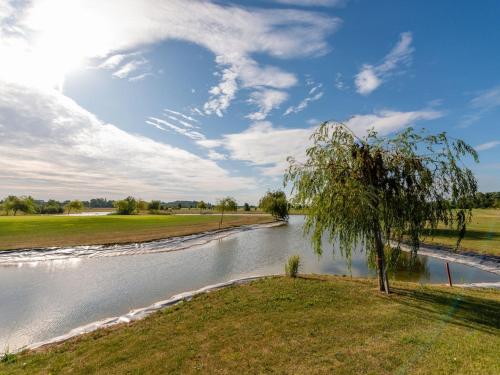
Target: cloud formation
315,93
372,76
266,147
51,147
487,146
483,103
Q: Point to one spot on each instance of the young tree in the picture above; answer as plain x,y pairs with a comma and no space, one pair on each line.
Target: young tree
275,203
225,204
246,207
127,206
374,190
75,205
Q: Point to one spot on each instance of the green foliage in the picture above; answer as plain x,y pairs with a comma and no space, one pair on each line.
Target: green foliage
154,206
377,189
75,205
202,205
292,266
19,204
52,207
225,204
276,204
127,206
8,357
246,207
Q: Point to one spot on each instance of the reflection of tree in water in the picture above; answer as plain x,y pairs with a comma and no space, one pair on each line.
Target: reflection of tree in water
404,266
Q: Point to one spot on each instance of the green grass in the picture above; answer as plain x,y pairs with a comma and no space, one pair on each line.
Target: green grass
482,236
294,326
43,231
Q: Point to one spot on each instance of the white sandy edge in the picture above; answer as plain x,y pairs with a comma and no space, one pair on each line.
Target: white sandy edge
469,260
141,313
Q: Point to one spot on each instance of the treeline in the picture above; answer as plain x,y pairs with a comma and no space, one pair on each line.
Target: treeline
487,200
28,205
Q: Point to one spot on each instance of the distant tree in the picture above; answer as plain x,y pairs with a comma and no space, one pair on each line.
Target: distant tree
246,207
372,190
127,206
8,204
276,204
51,207
75,205
23,204
179,206
202,206
142,205
154,206
225,204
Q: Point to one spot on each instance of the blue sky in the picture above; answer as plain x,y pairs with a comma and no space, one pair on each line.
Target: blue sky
199,99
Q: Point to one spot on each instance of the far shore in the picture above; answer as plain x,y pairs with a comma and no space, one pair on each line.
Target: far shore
29,232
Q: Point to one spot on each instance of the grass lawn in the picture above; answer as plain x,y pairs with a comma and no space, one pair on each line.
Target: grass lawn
482,236
315,325
43,231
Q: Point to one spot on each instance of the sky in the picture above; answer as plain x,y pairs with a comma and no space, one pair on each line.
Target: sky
203,99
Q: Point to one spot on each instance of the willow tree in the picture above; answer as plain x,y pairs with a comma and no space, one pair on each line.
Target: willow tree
378,191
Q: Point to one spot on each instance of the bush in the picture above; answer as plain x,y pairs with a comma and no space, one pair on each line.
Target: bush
292,266
8,357
128,206
275,203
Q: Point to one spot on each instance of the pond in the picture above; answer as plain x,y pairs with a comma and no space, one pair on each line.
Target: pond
46,294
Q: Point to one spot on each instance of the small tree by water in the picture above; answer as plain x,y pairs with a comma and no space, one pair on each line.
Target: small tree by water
276,204
374,190
127,206
75,206
225,204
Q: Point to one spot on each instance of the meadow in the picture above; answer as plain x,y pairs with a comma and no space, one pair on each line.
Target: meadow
313,325
482,235
17,232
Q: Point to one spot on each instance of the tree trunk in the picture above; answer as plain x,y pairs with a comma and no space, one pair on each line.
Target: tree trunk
383,281
221,217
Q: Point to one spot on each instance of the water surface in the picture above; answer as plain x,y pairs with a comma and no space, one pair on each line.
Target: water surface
45,296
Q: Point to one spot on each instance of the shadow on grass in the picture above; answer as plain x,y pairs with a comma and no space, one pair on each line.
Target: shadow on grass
469,234
453,308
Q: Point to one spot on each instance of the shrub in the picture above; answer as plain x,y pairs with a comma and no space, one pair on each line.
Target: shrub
8,357
292,266
128,206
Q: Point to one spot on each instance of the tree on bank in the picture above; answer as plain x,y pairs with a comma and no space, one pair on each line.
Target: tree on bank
75,205
225,204
375,189
127,206
19,204
276,204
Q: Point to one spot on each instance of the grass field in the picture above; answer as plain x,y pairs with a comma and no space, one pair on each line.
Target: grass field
44,231
318,325
482,236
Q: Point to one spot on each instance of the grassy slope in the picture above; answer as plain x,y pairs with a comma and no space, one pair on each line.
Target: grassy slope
282,325
482,236
42,231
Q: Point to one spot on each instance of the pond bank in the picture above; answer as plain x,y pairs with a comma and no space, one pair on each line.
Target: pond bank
489,263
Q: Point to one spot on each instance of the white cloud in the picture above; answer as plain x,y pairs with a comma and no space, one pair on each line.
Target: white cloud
266,147
128,68
371,77
51,147
387,121
339,82
166,126
487,146
485,102
314,95
266,100
233,33
214,155
323,3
